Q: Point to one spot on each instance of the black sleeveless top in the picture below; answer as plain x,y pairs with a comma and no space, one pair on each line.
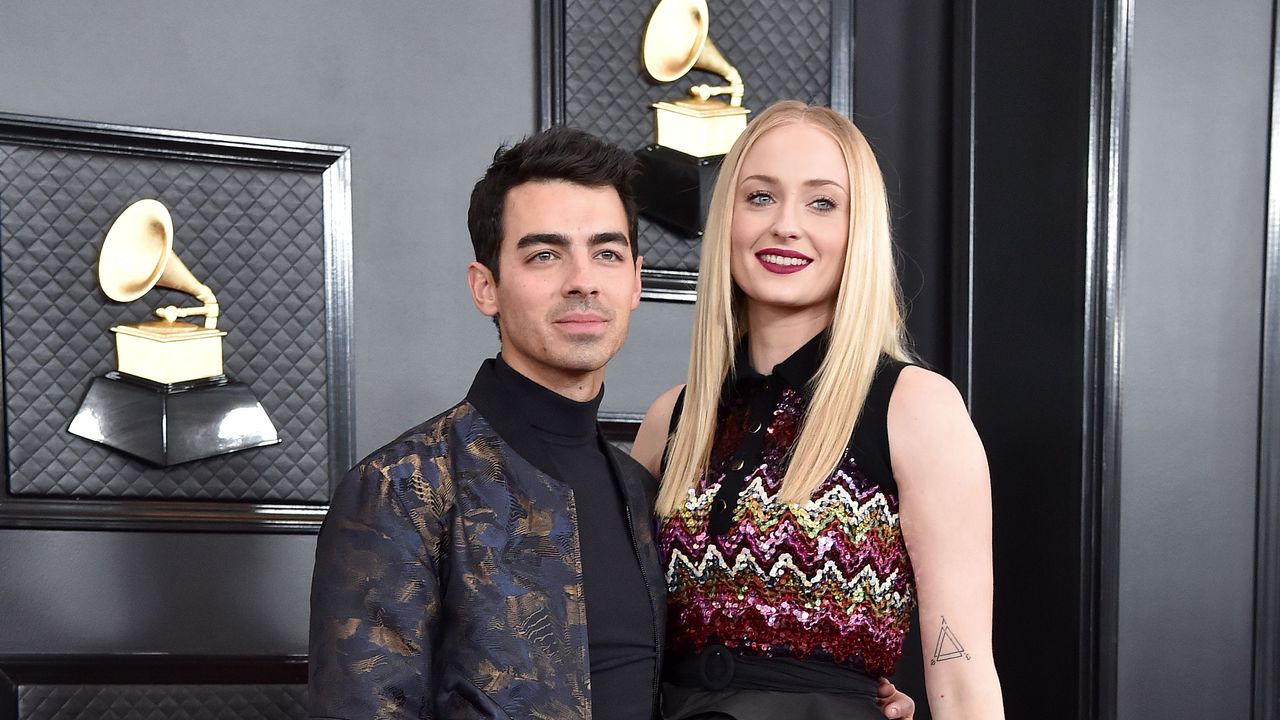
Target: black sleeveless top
823,587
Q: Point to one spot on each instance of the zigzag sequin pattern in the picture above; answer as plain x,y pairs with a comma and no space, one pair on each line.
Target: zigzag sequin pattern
829,579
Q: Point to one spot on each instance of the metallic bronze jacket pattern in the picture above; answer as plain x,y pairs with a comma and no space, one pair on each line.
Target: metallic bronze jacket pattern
448,582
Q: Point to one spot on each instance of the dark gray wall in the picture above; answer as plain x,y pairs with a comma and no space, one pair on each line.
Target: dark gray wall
105,592
423,92
1192,289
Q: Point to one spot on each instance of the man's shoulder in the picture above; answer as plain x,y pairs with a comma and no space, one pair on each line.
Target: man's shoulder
439,437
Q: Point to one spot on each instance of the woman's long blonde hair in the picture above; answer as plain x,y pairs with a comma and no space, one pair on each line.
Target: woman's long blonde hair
867,323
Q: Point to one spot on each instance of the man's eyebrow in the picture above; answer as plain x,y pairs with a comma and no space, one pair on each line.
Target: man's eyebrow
607,238
532,239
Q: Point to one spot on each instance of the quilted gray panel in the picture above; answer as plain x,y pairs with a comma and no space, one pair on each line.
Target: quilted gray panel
254,235
162,702
782,49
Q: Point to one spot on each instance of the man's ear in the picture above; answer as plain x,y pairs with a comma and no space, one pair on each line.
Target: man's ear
484,288
635,297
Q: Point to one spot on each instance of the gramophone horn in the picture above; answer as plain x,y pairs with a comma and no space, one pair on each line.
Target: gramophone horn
676,41
137,255
674,38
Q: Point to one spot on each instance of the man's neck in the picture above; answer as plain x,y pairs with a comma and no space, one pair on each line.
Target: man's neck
576,385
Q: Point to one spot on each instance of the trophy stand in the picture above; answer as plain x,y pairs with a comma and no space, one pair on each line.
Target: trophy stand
170,401
678,172
166,424
674,188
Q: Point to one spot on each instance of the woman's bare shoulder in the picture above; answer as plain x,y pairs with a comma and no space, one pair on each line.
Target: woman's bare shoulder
922,390
929,425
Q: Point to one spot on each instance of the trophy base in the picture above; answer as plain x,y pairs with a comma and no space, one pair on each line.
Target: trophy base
701,128
168,352
168,424
674,188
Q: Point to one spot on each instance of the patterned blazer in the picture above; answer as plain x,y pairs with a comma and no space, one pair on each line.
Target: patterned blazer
448,582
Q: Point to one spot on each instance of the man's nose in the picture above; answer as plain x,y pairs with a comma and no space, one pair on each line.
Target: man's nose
580,278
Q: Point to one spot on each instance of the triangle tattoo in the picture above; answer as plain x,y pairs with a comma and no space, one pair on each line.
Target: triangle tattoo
948,647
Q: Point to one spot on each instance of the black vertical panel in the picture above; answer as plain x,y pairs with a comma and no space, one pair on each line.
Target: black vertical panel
903,104
1031,136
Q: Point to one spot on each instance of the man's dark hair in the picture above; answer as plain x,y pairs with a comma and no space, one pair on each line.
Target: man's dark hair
558,153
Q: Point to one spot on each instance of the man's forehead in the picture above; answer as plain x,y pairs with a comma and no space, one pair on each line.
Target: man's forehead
563,190
563,208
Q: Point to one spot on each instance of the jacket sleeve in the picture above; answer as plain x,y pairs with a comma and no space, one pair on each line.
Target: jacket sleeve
375,595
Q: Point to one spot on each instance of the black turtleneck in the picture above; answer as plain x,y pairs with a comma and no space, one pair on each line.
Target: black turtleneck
561,437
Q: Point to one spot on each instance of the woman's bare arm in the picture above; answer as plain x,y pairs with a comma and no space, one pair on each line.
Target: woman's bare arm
945,493
651,438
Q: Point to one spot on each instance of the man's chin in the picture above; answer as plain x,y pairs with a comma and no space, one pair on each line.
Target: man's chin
583,364
587,357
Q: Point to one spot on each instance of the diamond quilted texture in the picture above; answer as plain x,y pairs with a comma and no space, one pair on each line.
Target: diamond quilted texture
161,702
254,235
783,50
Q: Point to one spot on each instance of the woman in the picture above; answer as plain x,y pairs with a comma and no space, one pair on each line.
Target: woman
815,483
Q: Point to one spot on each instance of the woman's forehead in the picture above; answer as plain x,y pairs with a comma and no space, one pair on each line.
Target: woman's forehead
795,152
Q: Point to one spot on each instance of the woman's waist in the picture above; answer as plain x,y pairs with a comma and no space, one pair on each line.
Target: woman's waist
857,638
719,667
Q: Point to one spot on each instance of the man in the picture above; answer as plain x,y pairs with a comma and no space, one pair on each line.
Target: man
454,567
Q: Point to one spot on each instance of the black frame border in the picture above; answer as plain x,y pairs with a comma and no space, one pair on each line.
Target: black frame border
660,284
333,163
963,183
152,669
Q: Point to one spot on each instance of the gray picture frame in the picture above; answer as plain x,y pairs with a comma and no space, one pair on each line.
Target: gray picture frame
1266,646
331,166
662,283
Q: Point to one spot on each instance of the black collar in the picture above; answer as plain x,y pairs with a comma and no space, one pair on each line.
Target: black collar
513,404
796,371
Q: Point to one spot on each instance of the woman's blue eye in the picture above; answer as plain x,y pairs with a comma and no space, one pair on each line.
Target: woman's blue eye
759,198
824,204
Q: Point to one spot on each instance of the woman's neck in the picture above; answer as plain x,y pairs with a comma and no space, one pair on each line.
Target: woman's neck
774,334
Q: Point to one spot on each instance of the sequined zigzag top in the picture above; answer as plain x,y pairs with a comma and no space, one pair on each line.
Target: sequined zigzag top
827,580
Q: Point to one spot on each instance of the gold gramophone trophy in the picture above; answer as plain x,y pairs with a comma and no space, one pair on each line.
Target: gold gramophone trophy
693,133
170,401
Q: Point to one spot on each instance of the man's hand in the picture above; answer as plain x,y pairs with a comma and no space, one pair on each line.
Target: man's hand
894,704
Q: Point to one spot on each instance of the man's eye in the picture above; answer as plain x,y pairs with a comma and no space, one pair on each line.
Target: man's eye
610,255
543,256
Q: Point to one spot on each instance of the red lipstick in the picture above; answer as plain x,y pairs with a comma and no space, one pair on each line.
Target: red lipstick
783,261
